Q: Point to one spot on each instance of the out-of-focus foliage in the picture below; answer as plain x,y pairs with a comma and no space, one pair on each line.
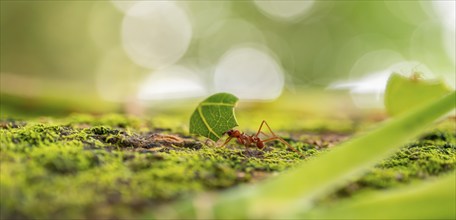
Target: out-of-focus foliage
84,44
433,200
404,94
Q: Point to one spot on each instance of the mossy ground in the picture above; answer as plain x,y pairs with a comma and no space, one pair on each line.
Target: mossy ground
115,166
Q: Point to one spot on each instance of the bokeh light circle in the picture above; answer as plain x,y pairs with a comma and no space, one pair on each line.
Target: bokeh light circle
223,35
369,76
156,33
249,73
204,13
122,5
410,12
374,61
367,90
172,82
284,10
429,45
446,12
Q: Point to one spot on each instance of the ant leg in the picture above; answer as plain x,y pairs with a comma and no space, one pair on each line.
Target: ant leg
275,137
266,135
259,129
261,132
226,142
269,128
284,142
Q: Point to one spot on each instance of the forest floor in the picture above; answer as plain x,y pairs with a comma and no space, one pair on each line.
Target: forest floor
116,166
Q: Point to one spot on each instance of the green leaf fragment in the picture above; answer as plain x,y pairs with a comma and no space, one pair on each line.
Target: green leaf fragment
214,116
403,93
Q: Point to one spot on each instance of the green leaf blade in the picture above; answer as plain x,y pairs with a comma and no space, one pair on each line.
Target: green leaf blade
214,116
403,93
429,200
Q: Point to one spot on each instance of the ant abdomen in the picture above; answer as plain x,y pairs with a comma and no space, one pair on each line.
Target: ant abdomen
260,145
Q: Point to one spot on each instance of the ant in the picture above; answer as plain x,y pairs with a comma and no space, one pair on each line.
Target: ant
254,140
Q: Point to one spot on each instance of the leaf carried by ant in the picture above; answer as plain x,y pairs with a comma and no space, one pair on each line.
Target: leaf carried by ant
214,116
403,93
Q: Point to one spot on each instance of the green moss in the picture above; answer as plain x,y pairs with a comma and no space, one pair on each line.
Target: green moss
432,155
100,167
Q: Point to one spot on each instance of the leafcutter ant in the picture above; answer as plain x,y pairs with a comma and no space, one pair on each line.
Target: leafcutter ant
254,140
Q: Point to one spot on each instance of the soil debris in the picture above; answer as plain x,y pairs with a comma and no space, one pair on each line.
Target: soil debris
169,140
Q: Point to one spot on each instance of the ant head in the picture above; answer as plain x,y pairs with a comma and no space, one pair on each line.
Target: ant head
229,132
233,133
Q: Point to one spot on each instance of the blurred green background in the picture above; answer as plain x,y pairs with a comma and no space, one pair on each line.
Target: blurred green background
129,56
